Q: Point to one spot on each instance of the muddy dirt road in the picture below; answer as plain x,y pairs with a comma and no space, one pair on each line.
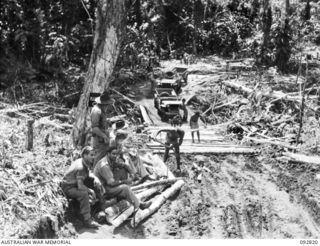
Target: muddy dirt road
239,197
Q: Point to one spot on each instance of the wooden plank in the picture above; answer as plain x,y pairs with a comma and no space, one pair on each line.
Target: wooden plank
200,145
145,115
213,150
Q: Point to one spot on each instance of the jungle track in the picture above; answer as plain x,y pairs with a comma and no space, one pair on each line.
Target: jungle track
240,198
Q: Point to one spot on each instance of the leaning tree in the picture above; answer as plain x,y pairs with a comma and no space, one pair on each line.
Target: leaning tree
109,32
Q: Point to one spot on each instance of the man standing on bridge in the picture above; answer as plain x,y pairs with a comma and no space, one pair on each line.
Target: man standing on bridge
194,125
174,139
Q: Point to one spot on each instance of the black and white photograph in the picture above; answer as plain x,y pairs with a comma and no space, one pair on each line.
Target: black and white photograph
159,119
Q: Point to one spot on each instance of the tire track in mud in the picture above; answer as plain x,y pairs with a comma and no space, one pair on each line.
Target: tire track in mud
252,206
238,199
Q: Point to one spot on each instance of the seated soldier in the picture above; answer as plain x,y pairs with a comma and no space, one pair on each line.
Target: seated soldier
116,187
73,184
133,160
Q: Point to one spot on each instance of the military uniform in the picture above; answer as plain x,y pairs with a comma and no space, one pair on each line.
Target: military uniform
77,171
99,119
103,170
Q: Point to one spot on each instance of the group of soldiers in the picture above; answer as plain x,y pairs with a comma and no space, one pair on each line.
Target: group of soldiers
105,169
109,165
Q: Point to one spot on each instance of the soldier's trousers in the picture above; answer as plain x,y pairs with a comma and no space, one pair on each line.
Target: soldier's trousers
82,196
100,149
176,152
122,192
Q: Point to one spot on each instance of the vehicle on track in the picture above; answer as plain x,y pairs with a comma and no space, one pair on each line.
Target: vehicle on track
167,103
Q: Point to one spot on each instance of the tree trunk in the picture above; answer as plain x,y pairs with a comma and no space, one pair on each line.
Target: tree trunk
302,106
154,183
29,142
266,27
110,27
137,10
287,8
194,37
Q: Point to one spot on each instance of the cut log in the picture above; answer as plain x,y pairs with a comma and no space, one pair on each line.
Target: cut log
157,203
302,158
29,142
122,217
145,115
149,192
267,141
114,211
155,183
119,218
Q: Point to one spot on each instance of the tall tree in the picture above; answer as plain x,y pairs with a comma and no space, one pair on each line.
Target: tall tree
109,32
307,14
266,27
287,7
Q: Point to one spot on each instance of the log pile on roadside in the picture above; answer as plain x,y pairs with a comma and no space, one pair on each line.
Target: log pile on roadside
155,191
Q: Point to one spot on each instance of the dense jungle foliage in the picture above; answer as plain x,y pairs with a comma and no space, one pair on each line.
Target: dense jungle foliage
42,41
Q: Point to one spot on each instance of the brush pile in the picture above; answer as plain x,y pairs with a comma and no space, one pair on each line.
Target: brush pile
31,202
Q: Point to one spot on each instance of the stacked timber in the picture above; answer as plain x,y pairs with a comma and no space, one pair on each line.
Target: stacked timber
156,191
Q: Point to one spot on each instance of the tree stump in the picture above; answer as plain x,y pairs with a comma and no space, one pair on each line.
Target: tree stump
29,142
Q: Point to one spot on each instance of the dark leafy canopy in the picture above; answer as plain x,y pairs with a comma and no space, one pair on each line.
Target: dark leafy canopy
44,36
42,39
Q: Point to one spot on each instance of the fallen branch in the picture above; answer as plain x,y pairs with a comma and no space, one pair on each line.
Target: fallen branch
40,183
279,95
157,203
278,122
155,183
62,117
229,104
267,141
125,97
